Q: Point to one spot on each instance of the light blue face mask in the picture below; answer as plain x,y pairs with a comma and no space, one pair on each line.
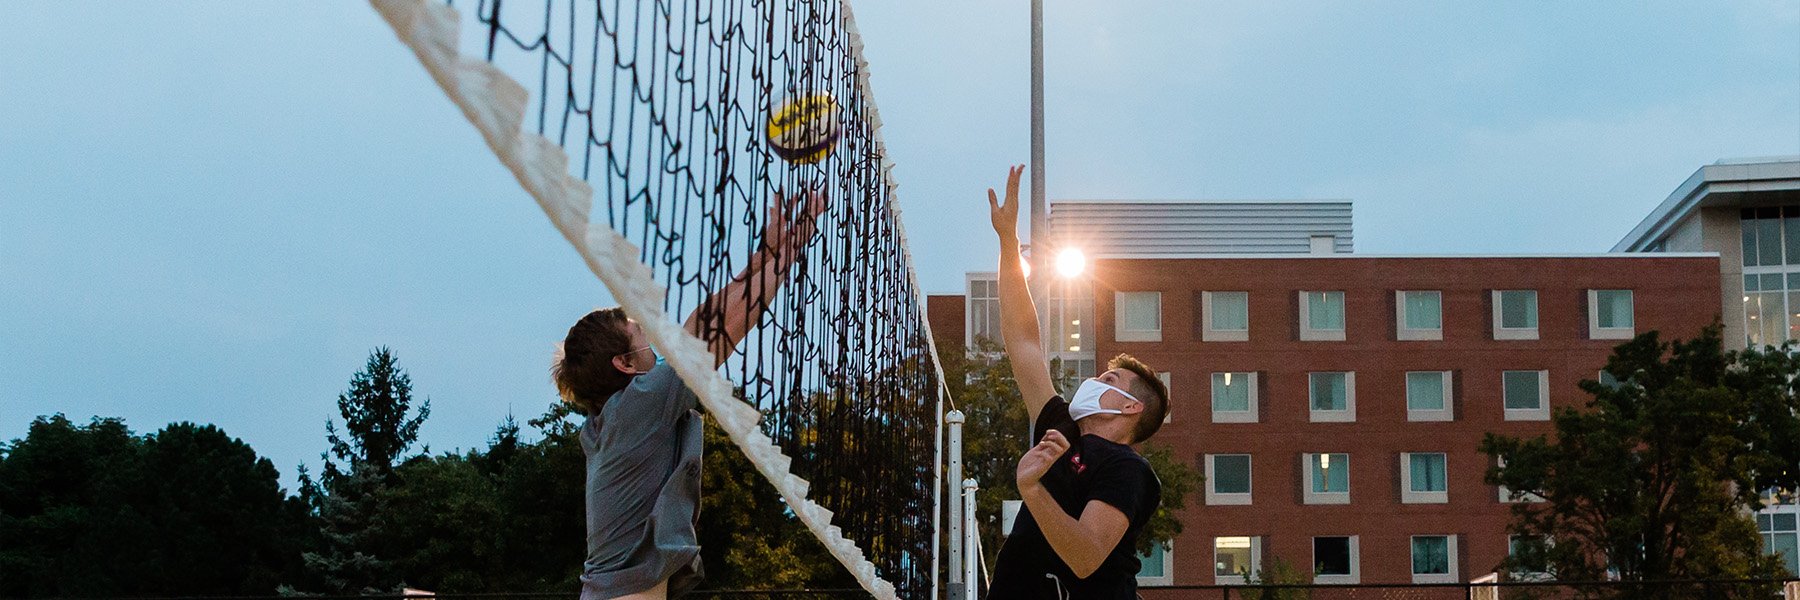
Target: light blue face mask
1087,400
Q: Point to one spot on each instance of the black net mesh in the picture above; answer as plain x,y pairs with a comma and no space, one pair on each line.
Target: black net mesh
662,107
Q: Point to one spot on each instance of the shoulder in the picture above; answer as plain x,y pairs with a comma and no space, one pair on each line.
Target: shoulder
1054,415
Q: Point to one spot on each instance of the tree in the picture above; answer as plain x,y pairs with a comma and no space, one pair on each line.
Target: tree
380,425
1655,477
97,511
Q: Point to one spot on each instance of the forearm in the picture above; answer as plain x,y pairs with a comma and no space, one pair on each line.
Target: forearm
740,305
1018,312
1067,536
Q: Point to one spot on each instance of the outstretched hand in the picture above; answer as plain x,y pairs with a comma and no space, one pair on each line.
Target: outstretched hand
1005,215
791,227
1037,461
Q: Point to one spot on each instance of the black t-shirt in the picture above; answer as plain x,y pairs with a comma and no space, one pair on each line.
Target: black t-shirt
1092,469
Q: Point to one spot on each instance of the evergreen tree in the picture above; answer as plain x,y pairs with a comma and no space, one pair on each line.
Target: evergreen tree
379,425
1655,477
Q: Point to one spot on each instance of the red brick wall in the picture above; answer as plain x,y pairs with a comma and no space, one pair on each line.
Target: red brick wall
946,314
1677,295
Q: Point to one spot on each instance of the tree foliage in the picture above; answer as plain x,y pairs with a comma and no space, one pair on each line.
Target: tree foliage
94,511
1655,476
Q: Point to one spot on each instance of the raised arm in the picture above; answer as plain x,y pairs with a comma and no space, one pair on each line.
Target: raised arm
732,311
1018,316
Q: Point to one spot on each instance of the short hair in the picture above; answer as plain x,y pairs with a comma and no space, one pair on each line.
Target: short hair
583,371
1149,390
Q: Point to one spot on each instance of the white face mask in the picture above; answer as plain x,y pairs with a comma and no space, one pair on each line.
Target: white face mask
1087,400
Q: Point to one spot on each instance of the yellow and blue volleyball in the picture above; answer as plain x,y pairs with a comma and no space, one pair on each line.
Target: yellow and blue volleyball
804,129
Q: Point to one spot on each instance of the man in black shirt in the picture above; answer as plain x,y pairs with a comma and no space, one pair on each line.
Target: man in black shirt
1087,493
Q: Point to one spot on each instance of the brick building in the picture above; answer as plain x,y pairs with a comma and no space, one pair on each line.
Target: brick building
1335,401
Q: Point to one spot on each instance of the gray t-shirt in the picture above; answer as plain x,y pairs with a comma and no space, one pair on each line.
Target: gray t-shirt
643,489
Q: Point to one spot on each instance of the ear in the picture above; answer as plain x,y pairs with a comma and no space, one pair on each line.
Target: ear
618,362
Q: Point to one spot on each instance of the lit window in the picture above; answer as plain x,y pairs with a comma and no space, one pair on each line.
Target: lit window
1327,479
1335,560
1225,316
1424,474
1228,479
1333,397
1139,316
1421,315
1434,559
1766,323
1609,315
1322,316
1526,395
1515,314
1236,559
1234,398
1428,396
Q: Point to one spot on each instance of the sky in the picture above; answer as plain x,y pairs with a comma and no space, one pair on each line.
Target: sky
213,211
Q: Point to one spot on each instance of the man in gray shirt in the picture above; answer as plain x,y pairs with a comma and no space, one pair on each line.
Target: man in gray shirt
642,435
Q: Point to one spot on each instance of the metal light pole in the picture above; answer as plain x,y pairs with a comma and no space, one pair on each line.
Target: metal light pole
1040,227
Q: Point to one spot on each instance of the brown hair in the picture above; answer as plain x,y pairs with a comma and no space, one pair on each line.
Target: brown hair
1149,390
584,373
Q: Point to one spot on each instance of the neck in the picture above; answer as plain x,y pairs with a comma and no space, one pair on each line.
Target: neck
1112,428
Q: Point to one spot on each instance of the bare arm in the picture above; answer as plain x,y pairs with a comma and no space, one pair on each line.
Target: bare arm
732,311
1018,315
1083,543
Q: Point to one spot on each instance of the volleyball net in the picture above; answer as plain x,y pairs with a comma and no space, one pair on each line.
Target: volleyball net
639,128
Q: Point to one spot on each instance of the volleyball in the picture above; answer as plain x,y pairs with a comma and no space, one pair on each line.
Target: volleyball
803,130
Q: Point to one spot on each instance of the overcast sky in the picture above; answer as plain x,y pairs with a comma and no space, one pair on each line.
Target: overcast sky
213,211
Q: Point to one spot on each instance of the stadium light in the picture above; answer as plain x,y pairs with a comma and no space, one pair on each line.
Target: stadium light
1071,262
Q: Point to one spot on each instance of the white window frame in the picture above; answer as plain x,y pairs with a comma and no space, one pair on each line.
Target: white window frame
1542,412
1516,333
1307,333
1168,567
1404,333
1355,575
1449,548
1507,496
1447,413
1411,496
1255,561
1348,415
1208,334
1234,416
1596,332
1215,498
969,323
1309,496
1121,334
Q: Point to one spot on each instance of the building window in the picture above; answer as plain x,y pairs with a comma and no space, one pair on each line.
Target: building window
1333,397
1169,402
1236,559
1070,372
1527,395
1139,316
1335,560
1234,398
1609,315
1515,314
1507,495
1069,318
1322,316
1532,547
1227,479
1424,474
1327,478
1434,559
1225,316
1428,395
1779,538
1767,320
984,310
1770,233
1157,567
1420,315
